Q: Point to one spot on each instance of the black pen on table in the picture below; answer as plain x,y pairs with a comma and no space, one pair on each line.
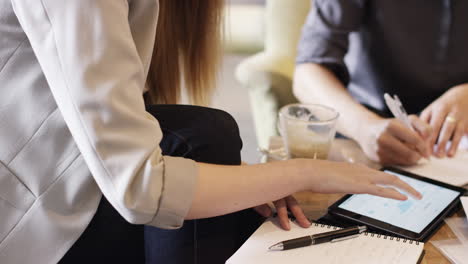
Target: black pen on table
332,236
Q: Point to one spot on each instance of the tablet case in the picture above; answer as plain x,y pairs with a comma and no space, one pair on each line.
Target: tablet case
334,219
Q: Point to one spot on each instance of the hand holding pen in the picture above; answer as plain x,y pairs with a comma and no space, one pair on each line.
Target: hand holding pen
412,122
395,141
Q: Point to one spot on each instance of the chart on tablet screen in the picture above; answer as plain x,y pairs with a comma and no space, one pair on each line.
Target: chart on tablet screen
411,214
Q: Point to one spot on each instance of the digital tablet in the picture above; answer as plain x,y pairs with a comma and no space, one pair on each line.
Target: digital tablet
412,219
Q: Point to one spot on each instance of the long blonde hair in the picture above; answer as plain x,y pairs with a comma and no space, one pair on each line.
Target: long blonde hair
187,50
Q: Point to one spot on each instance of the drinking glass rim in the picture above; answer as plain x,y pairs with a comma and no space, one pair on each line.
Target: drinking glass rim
335,117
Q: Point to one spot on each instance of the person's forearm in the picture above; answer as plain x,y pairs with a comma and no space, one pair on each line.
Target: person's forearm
314,83
225,189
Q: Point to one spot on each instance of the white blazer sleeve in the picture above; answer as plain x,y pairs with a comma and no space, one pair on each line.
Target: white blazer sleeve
89,57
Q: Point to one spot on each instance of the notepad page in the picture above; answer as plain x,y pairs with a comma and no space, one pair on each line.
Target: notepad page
363,249
453,250
449,170
464,201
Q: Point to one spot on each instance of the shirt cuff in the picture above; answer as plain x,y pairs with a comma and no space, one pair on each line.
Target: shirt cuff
180,176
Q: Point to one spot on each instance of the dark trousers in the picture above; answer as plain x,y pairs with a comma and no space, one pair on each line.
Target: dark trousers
202,134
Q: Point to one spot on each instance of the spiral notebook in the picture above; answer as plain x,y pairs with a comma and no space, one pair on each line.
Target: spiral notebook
367,248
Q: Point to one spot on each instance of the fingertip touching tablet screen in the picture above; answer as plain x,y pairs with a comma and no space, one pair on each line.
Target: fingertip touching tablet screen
414,219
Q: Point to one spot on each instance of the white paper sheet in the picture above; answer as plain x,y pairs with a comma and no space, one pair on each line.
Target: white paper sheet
456,250
464,200
459,226
449,170
453,250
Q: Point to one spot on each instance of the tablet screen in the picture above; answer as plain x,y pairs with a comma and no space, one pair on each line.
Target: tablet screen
413,215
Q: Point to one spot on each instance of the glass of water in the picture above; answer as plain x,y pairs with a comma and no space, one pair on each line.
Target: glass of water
307,130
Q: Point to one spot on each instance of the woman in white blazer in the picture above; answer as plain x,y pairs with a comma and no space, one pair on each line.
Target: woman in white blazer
80,156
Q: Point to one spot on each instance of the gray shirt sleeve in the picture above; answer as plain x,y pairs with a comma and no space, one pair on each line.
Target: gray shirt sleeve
325,34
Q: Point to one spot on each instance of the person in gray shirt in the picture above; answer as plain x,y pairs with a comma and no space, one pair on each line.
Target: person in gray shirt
353,51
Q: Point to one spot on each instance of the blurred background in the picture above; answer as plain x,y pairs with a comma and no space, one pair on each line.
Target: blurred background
256,77
244,29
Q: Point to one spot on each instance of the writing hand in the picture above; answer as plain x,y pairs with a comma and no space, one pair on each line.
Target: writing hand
390,142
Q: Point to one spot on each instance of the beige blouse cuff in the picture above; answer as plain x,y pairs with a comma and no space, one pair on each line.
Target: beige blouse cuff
180,176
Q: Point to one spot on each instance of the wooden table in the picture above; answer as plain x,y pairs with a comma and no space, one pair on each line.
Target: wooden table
315,205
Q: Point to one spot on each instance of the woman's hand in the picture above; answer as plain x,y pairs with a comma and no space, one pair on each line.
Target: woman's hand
341,177
390,142
238,187
448,117
282,207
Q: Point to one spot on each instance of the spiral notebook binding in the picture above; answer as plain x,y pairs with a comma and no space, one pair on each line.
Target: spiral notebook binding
326,226
398,239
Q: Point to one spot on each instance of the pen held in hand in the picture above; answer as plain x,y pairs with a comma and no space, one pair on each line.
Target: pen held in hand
332,236
399,112
397,109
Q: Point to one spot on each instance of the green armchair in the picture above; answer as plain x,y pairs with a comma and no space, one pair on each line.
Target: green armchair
268,74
